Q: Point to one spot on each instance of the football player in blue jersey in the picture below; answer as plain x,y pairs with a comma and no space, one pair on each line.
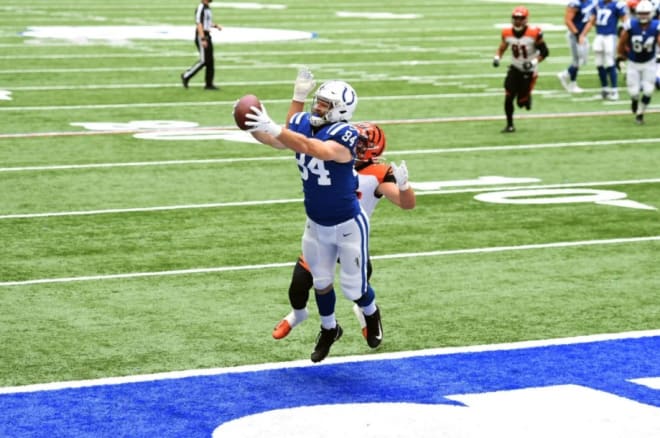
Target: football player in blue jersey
656,5
376,180
605,16
639,44
576,17
337,227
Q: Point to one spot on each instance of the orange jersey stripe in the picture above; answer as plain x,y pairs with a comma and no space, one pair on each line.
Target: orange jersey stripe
379,170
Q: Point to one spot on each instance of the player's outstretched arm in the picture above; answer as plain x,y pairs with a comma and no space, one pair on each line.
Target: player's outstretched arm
303,85
260,122
399,193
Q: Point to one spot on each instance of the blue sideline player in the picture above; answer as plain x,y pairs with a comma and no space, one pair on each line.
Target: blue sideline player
639,44
337,227
605,16
576,17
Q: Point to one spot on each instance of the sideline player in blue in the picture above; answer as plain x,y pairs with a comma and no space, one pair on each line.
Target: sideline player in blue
606,16
576,17
639,42
337,227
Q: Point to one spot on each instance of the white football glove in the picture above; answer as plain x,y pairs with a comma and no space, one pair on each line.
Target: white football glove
305,83
401,175
259,121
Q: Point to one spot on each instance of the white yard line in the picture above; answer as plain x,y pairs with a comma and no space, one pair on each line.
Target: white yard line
401,152
426,120
146,209
143,164
296,200
288,264
54,386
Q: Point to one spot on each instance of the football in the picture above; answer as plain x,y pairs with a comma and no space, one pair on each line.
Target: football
242,108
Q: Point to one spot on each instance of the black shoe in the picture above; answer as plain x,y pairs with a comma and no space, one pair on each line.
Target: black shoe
639,119
374,329
509,128
184,81
634,105
211,87
324,341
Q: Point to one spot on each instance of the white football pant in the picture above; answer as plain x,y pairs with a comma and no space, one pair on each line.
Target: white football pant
322,246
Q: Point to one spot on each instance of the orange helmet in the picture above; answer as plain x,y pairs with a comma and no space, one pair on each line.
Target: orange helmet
371,142
519,17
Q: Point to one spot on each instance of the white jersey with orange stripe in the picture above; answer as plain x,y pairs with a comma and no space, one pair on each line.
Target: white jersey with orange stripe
370,176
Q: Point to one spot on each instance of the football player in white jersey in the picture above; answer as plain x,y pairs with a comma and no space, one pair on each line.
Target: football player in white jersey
528,49
337,227
376,180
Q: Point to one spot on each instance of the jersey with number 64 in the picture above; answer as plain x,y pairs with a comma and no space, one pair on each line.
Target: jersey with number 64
330,187
642,41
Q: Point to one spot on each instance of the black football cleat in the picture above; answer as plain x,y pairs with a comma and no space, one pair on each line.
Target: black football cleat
508,129
639,119
211,87
184,81
324,341
374,329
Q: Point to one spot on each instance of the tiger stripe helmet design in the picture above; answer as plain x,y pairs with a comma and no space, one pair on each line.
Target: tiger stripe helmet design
371,143
519,17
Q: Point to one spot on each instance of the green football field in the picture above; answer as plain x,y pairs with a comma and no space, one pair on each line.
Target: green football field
142,233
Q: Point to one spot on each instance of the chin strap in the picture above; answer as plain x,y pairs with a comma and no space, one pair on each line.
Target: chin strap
317,121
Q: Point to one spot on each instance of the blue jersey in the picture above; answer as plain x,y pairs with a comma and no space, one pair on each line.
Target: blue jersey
642,42
330,187
582,12
607,15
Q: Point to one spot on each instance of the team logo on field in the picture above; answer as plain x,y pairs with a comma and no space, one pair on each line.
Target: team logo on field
591,387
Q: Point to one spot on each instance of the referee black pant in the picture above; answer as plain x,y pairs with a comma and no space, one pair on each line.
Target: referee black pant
205,60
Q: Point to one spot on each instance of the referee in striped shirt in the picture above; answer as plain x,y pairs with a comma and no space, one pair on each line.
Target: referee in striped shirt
204,23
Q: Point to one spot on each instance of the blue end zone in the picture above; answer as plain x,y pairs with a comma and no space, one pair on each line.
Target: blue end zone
195,406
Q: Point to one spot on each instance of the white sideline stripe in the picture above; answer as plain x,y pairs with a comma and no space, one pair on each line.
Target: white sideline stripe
293,200
285,264
54,386
401,152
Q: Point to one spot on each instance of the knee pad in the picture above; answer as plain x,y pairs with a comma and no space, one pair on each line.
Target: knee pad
322,283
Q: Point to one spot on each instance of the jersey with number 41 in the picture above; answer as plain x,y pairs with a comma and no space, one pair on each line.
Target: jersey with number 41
330,187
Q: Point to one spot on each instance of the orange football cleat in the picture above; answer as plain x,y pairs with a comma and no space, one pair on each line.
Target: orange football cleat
282,329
